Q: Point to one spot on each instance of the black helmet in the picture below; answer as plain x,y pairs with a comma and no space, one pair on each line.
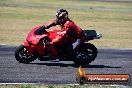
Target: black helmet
59,14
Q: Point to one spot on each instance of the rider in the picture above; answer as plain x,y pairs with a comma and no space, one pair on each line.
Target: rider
69,30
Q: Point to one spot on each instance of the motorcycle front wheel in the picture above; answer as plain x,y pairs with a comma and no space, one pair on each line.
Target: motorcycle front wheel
22,55
85,54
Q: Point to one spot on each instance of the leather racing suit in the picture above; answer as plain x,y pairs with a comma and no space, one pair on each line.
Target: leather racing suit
70,33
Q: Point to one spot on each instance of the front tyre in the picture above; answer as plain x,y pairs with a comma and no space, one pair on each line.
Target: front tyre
22,55
85,54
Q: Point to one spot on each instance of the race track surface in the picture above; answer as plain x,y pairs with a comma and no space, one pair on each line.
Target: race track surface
108,61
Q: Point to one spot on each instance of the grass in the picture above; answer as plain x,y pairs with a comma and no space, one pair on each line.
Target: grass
113,20
41,86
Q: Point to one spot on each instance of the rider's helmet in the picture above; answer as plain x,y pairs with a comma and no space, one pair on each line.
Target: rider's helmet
62,15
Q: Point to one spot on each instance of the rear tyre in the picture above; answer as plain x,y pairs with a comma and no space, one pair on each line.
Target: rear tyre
85,54
22,55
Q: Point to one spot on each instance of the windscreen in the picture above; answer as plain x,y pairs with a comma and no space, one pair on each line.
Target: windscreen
40,31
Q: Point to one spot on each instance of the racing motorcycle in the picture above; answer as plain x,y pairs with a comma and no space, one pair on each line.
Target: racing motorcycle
37,46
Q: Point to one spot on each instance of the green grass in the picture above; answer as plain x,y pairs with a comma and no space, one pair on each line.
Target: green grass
41,86
113,20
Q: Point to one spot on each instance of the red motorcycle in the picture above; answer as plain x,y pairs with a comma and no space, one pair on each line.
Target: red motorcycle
37,46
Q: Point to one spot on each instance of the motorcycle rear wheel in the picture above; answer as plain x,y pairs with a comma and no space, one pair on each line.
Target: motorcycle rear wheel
22,55
85,54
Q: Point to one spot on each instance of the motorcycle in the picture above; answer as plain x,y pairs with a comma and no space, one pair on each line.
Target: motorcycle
37,46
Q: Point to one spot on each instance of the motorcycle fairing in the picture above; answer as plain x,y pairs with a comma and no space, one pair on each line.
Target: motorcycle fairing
33,38
54,33
35,35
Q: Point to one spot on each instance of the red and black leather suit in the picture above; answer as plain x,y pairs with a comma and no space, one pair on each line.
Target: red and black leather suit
70,32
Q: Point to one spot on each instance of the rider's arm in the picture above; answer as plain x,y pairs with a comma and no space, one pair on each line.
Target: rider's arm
52,23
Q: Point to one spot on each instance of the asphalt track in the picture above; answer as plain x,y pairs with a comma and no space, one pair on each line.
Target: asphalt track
108,61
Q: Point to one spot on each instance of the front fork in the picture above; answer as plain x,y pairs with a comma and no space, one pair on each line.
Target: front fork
30,48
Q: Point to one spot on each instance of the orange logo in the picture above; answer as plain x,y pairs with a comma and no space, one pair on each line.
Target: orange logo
82,78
